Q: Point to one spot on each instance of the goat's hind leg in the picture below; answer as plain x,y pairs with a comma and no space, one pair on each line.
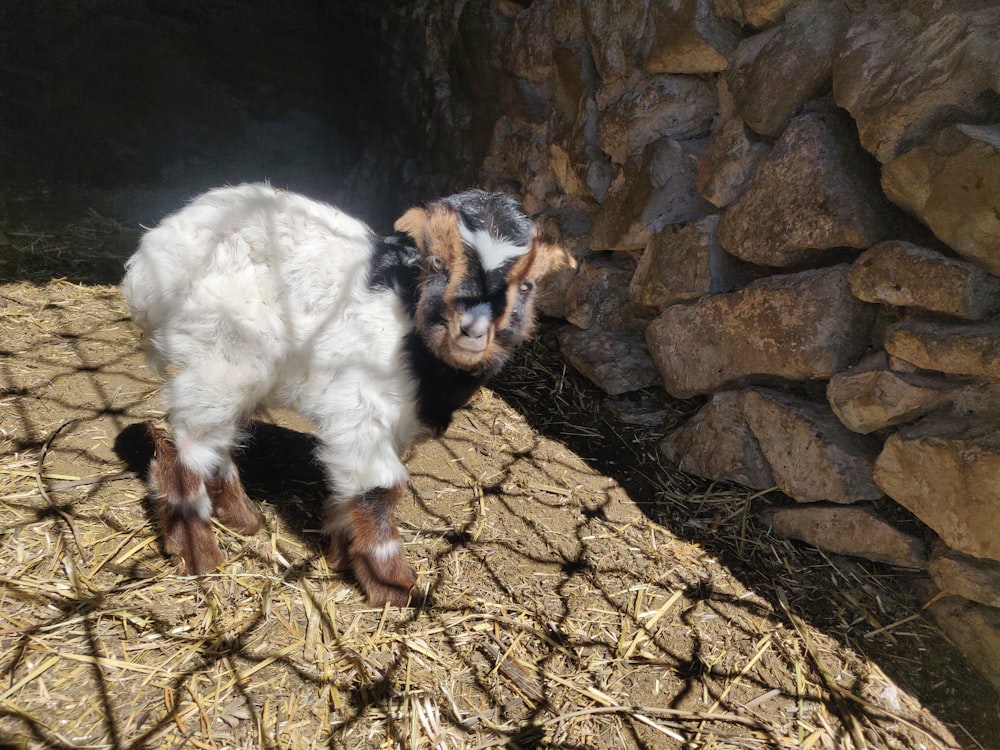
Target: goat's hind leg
230,502
185,508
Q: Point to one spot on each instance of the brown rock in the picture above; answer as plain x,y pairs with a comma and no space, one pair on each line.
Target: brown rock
528,51
717,443
957,348
756,13
952,183
946,472
682,263
816,190
907,275
855,530
774,74
812,455
725,168
907,69
688,37
969,577
975,629
616,361
802,326
650,108
871,396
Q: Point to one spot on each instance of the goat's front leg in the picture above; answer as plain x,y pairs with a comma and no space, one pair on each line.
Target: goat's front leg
366,540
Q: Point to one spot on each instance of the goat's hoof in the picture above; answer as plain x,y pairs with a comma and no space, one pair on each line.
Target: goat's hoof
192,543
233,508
391,582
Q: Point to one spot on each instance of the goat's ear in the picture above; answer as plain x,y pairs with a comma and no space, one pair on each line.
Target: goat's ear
414,222
541,259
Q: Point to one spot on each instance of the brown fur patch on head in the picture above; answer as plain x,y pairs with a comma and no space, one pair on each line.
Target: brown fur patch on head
542,258
413,223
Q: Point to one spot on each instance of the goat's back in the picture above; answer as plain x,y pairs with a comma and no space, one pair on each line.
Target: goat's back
270,278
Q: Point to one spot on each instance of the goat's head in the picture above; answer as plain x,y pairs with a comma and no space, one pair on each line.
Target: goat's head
482,258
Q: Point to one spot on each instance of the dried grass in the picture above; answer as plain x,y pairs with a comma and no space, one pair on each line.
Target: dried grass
562,616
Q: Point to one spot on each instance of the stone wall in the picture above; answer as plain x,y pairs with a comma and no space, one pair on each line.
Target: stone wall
791,209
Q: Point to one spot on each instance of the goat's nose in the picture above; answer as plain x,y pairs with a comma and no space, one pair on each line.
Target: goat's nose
475,321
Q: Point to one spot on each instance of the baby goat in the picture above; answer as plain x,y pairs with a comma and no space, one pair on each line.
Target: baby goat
251,296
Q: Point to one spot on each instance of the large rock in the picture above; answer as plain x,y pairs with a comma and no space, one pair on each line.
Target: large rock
871,396
812,455
946,472
528,52
957,348
952,183
855,530
816,190
683,263
965,576
717,443
729,160
615,361
907,69
907,275
801,326
975,629
616,31
773,74
688,37
641,110
648,195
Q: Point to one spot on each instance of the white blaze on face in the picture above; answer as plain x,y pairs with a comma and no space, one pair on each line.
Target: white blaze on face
493,251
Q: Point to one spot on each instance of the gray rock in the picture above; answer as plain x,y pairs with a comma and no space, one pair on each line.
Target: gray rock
952,184
615,30
907,275
683,263
801,326
957,348
907,69
648,195
946,471
597,294
774,74
815,191
855,530
729,160
812,455
641,110
616,361
717,443
688,37
969,577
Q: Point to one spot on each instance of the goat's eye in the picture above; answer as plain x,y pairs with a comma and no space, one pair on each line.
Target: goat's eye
526,286
436,264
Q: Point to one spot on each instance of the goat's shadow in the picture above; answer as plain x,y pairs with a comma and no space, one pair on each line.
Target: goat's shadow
276,466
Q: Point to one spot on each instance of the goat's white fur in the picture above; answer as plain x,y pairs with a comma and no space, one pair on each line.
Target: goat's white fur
493,252
256,296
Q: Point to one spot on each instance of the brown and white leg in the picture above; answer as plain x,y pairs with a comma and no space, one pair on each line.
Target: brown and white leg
184,506
230,502
363,534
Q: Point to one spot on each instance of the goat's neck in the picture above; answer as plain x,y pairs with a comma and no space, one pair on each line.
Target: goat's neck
441,388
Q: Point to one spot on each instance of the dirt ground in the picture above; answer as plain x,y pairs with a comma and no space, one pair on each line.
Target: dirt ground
585,595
